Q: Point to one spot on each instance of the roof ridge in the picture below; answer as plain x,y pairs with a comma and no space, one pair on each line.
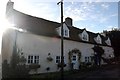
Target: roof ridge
35,16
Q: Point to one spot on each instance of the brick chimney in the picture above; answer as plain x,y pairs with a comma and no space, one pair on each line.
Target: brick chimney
68,21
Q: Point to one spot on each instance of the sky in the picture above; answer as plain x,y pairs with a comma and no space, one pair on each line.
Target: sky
94,15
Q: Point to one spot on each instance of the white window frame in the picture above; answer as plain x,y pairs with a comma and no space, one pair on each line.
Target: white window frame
59,60
87,59
33,59
66,33
99,40
74,58
36,59
108,42
84,35
30,59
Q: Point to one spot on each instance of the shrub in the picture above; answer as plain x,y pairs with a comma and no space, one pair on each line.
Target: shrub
59,65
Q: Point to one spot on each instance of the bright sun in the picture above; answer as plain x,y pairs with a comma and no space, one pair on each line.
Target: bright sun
4,25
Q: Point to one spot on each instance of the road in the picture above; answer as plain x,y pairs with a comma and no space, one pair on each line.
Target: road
111,72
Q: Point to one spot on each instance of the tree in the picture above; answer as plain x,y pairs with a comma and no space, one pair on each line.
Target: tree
16,68
98,56
114,36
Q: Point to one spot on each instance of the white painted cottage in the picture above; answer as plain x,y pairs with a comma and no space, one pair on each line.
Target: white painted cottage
41,39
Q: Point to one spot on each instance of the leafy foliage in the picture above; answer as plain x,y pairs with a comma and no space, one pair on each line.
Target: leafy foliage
98,56
114,36
74,51
59,65
16,68
99,50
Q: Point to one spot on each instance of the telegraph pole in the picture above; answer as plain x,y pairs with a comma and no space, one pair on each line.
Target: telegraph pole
62,46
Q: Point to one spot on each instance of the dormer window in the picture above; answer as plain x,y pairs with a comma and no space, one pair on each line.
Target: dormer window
84,36
65,31
98,39
108,42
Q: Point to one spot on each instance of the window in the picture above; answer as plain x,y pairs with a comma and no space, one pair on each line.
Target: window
108,42
66,32
87,59
98,39
36,59
74,58
33,59
30,59
84,37
57,59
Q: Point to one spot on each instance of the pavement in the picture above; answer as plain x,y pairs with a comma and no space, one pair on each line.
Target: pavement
111,72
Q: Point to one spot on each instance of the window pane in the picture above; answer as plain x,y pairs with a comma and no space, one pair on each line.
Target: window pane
31,57
57,59
31,61
28,57
28,61
88,59
36,59
74,58
85,59
66,32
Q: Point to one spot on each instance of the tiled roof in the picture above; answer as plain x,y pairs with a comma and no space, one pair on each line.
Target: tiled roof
34,24
48,28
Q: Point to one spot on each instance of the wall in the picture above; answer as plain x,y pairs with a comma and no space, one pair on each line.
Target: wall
31,44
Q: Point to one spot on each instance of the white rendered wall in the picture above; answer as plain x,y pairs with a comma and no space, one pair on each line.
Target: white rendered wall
31,44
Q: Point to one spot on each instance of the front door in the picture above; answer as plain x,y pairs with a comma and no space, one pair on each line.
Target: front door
75,61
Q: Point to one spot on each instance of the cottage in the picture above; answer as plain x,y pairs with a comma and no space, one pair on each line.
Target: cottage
40,40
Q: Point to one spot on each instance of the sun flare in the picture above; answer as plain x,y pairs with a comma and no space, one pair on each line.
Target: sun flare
4,25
